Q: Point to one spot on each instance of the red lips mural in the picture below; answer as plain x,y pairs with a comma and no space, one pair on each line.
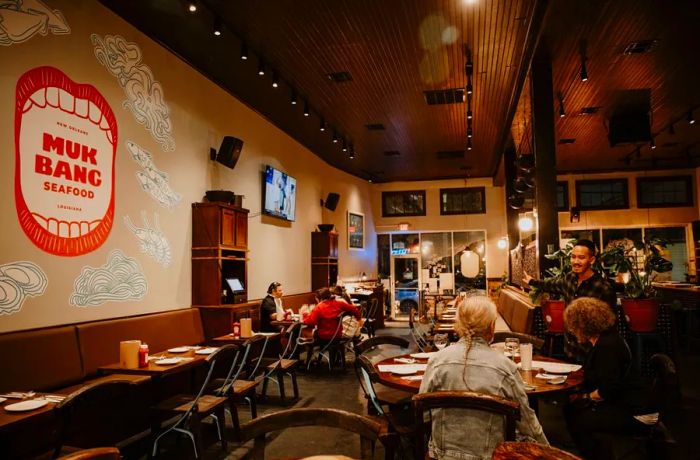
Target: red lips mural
65,147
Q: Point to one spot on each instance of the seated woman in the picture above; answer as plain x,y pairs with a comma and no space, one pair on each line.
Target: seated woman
470,364
326,315
611,391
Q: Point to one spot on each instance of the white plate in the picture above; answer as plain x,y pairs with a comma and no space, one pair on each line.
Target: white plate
167,361
3,399
206,351
422,355
26,405
556,368
178,349
408,371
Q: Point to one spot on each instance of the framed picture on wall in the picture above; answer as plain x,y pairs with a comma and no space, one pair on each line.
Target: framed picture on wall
356,230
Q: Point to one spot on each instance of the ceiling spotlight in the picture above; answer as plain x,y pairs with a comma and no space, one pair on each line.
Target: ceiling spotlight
470,88
306,109
469,144
294,98
275,79
584,71
261,68
192,6
690,118
652,143
469,114
323,125
345,146
562,112
369,180
469,133
244,51
335,138
352,152
217,26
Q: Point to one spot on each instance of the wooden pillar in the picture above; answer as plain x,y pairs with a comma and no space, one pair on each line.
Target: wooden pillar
545,157
510,174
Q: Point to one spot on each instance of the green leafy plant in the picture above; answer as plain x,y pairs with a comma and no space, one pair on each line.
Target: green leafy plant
642,260
563,256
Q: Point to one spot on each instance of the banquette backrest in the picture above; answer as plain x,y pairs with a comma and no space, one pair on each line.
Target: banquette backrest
516,309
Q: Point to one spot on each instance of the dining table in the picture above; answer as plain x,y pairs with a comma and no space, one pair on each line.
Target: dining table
179,359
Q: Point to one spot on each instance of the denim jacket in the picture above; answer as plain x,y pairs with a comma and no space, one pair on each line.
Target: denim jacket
469,434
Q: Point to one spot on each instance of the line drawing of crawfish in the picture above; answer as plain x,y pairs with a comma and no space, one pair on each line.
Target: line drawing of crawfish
152,240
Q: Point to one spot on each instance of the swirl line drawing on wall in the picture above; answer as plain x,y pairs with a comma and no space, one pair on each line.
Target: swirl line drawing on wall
152,180
145,98
152,241
19,280
121,279
20,20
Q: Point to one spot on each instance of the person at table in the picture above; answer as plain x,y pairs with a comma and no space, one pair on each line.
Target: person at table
471,364
326,315
581,281
340,293
271,308
612,392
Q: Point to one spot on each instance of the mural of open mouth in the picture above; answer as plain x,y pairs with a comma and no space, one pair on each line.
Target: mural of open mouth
65,147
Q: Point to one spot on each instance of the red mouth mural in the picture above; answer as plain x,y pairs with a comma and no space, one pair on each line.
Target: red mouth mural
65,148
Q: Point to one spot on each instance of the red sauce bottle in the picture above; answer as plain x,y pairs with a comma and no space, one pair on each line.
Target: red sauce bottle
143,355
236,330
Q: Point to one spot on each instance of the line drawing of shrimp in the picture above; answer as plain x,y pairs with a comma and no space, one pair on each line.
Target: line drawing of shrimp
152,180
152,240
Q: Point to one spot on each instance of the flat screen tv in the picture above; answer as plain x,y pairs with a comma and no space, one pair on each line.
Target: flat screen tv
279,194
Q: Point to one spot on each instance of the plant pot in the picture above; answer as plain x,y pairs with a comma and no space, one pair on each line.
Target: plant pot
641,314
553,312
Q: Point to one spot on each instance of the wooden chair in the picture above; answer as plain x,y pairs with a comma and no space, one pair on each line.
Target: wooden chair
97,453
370,429
286,365
193,409
374,342
82,415
510,410
536,342
379,395
530,450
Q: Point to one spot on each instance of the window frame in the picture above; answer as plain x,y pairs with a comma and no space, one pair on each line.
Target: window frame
685,178
403,193
566,195
463,190
625,185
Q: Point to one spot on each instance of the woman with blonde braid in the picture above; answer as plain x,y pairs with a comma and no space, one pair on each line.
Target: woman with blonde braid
472,365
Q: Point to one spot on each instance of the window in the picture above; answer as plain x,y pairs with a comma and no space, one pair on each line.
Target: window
471,200
657,192
562,196
602,194
398,204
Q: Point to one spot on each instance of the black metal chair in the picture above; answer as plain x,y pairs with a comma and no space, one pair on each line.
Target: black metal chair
332,350
285,365
370,318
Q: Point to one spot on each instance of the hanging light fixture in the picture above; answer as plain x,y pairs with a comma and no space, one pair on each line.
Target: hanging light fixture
217,26
584,71
525,223
335,137
469,114
690,118
345,146
244,51
192,6
275,79
502,243
306,109
261,68
294,98
352,152
323,125
652,144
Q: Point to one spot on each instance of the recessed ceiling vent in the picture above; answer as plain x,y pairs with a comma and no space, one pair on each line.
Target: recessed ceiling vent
375,126
567,140
450,154
445,96
392,153
339,77
590,110
640,47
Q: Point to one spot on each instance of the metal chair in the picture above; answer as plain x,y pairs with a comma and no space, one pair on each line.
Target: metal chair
370,429
328,349
374,342
536,342
420,334
381,395
193,409
509,410
370,318
286,364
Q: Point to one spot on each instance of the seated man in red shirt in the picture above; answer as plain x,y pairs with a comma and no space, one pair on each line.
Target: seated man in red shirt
326,315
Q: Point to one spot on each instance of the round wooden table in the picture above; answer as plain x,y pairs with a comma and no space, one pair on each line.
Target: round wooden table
540,385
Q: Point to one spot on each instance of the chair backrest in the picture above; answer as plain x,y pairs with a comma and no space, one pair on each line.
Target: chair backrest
222,354
373,342
536,342
510,410
369,429
665,390
292,335
97,453
89,413
371,311
367,375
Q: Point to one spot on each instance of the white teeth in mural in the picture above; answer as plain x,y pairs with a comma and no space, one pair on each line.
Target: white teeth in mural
18,280
121,279
20,20
66,136
144,94
152,180
152,241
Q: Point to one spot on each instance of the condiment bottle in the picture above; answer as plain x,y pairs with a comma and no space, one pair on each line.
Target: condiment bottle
143,355
236,330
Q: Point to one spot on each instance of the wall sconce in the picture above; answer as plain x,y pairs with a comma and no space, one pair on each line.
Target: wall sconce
525,223
502,243
574,215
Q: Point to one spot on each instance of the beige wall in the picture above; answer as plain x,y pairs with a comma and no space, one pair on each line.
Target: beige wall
493,221
201,114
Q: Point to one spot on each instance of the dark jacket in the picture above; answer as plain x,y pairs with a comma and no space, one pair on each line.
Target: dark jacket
267,308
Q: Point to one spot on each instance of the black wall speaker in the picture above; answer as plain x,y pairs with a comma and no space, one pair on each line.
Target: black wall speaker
332,201
229,151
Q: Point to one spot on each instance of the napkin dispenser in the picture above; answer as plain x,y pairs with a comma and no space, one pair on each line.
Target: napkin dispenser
246,328
129,353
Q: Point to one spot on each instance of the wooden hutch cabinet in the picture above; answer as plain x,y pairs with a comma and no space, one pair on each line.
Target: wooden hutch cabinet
324,259
220,252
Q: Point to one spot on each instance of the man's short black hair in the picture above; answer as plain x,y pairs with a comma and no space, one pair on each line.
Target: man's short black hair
273,286
587,244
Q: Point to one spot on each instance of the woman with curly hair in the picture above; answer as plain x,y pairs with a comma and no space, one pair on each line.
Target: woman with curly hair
611,392
472,365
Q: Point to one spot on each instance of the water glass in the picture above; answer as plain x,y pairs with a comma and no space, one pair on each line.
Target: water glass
526,356
440,341
512,347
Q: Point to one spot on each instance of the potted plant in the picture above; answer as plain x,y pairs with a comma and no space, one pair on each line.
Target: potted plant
636,264
552,306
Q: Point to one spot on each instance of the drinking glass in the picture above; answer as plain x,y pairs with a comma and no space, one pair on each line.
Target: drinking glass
512,347
440,341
